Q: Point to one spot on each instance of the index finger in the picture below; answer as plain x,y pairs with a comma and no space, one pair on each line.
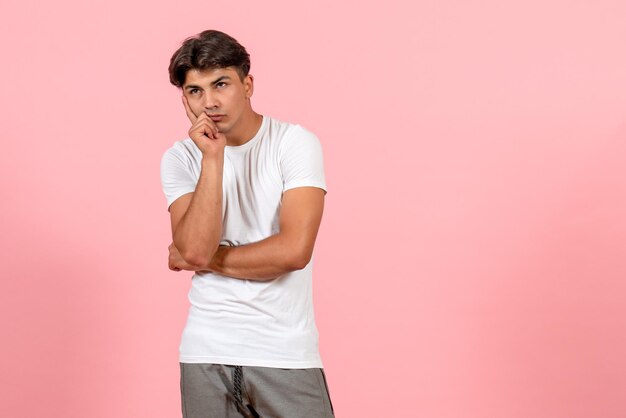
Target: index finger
190,114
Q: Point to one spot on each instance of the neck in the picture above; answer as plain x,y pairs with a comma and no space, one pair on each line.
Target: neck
246,129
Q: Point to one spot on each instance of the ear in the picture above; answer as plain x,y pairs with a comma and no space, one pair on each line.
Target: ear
248,84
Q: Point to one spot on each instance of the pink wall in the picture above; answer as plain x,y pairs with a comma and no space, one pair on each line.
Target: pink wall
472,258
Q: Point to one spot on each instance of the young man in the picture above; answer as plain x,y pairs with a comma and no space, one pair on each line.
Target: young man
245,194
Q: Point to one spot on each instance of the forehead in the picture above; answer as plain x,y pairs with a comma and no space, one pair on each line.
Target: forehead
206,77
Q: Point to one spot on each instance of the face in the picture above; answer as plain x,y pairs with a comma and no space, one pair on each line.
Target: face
220,94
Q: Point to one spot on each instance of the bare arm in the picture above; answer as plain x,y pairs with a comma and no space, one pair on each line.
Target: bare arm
289,250
197,220
197,217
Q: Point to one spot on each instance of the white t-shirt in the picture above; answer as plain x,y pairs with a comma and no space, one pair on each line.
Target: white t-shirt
249,322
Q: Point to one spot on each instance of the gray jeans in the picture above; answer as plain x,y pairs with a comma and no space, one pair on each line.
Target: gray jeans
219,390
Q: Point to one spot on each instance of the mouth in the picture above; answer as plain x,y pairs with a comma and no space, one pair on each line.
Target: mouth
216,118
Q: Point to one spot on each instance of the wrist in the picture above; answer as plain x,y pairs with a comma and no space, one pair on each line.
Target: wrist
216,262
212,158
213,165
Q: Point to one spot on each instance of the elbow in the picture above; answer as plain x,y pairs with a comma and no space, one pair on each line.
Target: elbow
199,259
299,260
194,260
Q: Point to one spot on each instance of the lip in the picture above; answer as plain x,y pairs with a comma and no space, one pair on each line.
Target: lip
216,118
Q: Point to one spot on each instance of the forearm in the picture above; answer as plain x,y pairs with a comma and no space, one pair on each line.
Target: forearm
289,250
199,231
262,260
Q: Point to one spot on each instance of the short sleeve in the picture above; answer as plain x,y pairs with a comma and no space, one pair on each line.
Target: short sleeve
176,176
302,161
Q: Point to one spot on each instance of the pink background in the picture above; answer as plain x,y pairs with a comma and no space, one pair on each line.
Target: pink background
472,258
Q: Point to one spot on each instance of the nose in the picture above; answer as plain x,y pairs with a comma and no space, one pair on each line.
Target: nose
210,101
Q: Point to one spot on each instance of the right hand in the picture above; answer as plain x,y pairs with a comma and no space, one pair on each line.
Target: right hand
204,133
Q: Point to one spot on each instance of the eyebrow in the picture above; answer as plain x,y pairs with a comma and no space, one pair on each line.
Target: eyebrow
193,86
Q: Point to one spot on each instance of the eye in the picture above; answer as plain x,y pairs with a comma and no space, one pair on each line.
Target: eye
221,84
193,91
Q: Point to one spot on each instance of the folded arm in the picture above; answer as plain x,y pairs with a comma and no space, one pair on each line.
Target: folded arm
197,217
288,250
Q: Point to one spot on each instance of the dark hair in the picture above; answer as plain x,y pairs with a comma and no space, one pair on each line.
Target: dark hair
208,50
